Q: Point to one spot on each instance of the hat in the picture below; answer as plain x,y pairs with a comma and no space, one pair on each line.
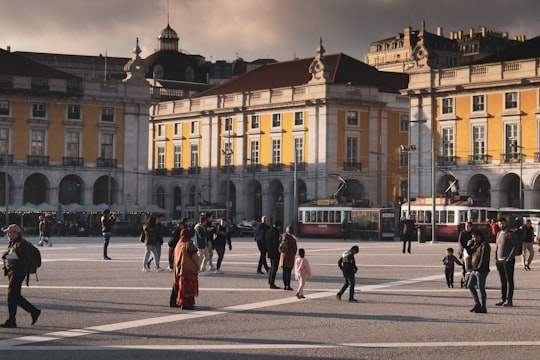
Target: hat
12,228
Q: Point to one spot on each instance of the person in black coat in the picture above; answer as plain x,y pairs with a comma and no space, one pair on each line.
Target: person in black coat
272,247
260,238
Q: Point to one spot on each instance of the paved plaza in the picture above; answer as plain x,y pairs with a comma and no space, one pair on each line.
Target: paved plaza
95,309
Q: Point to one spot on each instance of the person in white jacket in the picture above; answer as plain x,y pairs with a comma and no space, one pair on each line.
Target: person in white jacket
302,272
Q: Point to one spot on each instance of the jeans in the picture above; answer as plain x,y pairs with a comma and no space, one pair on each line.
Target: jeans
287,277
220,250
274,264
506,274
150,249
106,238
349,283
527,253
262,257
480,280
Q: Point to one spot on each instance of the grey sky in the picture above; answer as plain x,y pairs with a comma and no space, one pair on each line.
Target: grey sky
251,29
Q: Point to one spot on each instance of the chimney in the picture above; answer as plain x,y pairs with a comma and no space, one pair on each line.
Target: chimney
483,29
471,32
460,34
440,31
8,48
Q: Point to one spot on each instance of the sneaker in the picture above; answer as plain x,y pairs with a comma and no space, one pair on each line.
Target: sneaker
481,310
218,271
272,286
353,300
145,269
508,304
501,303
9,324
476,308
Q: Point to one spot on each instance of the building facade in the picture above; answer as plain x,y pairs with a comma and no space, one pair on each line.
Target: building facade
65,140
482,128
314,123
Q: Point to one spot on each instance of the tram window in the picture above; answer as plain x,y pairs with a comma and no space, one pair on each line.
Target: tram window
300,216
451,217
338,216
325,216
421,216
463,216
483,216
331,216
474,215
414,215
441,215
319,216
313,217
428,216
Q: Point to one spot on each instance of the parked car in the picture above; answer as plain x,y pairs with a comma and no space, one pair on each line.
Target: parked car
247,227
125,228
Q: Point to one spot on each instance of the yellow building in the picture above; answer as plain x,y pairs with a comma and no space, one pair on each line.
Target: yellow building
64,140
312,122
484,122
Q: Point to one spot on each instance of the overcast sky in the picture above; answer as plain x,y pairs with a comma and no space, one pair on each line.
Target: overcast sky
251,29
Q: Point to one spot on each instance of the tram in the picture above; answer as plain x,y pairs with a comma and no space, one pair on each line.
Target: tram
451,214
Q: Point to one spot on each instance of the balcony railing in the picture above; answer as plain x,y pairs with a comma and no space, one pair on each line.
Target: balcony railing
35,160
275,167
3,159
300,166
227,169
73,161
109,163
537,156
509,158
194,170
476,159
447,160
177,171
160,172
352,166
254,168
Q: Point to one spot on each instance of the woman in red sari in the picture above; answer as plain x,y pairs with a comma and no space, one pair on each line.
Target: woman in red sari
186,265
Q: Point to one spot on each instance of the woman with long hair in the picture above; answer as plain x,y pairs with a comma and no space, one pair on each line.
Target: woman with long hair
186,265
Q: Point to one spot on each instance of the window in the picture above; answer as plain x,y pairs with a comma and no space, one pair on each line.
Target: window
107,146
276,120
298,118
194,129
161,157
352,118
177,156
227,153
107,114
177,129
479,141
276,151
511,100
352,151
37,143
4,108
228,124
478,103
512,136
72,144
4,142
255,121
404,123
74,112
194,162
39,110
448,144
299,150
161,130
448,106
254,152
403,158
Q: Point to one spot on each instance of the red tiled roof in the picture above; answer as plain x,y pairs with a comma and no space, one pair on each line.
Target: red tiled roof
344,69
13,64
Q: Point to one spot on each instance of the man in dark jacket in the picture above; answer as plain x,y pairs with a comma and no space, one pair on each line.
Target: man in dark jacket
16,262
347,264
480,250
107,221
260,238
272,246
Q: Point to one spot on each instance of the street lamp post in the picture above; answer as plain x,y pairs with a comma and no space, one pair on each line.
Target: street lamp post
6,186
379,176
228,152
408,149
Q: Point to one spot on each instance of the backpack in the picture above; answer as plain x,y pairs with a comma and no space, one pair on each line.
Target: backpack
520,235
35,261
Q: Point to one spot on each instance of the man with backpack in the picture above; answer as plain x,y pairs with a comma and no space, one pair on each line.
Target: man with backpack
16,263
507,246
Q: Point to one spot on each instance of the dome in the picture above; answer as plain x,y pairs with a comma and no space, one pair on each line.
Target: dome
168,33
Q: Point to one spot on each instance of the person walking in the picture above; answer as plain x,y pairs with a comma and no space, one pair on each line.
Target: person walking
347,264
463,239
44,228
272,247
527,250
150,230
480,250
260,238
16,261
186,267
210,234
223,238
287,250
107,221
449,260
201,244
302,272
175,237
507,247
